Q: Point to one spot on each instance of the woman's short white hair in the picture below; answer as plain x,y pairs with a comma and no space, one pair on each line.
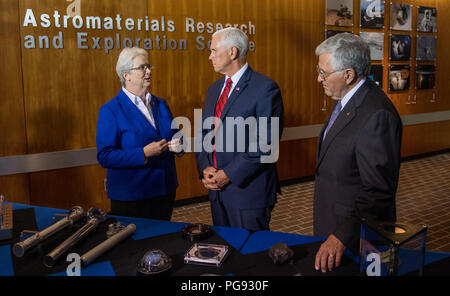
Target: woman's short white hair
347,51
125,60
233,37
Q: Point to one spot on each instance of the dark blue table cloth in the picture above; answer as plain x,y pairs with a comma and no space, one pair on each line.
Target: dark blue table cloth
249,252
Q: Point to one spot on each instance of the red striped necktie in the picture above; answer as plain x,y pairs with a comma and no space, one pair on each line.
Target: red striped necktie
220,105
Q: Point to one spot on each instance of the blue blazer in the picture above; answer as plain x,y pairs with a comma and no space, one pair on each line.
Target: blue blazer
253,184
122,133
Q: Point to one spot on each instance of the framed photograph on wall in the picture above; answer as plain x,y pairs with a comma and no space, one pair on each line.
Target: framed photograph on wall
399,76
376,74
331,33
339,13
372,14
426,48
425,76
400,47
401,16
376,43
426,19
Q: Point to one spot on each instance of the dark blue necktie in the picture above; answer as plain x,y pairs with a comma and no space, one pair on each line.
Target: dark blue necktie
334,115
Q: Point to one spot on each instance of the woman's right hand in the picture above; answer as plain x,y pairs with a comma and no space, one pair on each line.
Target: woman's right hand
155,148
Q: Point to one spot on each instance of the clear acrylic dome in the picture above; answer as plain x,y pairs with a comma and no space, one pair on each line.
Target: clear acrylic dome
154,262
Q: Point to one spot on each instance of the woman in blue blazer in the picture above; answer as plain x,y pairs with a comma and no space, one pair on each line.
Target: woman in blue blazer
135,143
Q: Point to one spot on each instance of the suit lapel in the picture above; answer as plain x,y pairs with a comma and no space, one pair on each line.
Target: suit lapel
322,131
344,118
238,89
135,117
154,106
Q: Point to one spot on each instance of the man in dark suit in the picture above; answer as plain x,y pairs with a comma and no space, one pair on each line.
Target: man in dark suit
358,158
243,119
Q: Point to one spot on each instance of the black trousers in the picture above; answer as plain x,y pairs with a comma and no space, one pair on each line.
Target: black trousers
159,208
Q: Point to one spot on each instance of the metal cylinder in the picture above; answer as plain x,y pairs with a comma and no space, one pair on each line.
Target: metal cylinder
95,216
75,214
100,249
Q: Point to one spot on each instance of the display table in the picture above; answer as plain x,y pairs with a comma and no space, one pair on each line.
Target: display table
248,256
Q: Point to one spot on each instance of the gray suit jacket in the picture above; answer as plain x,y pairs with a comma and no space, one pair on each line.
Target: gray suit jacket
358,166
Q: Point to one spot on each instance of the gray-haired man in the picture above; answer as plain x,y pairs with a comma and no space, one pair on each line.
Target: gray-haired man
358,158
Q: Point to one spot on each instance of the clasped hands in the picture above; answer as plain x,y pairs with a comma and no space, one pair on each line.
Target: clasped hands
156,148
214,179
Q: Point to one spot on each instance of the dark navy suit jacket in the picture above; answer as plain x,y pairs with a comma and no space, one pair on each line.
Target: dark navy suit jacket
358,166
122,133
253,184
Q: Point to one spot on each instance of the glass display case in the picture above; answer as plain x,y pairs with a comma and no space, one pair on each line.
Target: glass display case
392,249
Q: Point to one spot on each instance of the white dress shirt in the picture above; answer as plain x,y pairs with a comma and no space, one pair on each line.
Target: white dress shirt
235,78
144,107
350,94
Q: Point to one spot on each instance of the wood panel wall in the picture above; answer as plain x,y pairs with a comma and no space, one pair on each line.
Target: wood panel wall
51,97
13,139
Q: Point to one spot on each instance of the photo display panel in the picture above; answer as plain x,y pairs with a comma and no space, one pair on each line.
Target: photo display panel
401,16
339,13
372,14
